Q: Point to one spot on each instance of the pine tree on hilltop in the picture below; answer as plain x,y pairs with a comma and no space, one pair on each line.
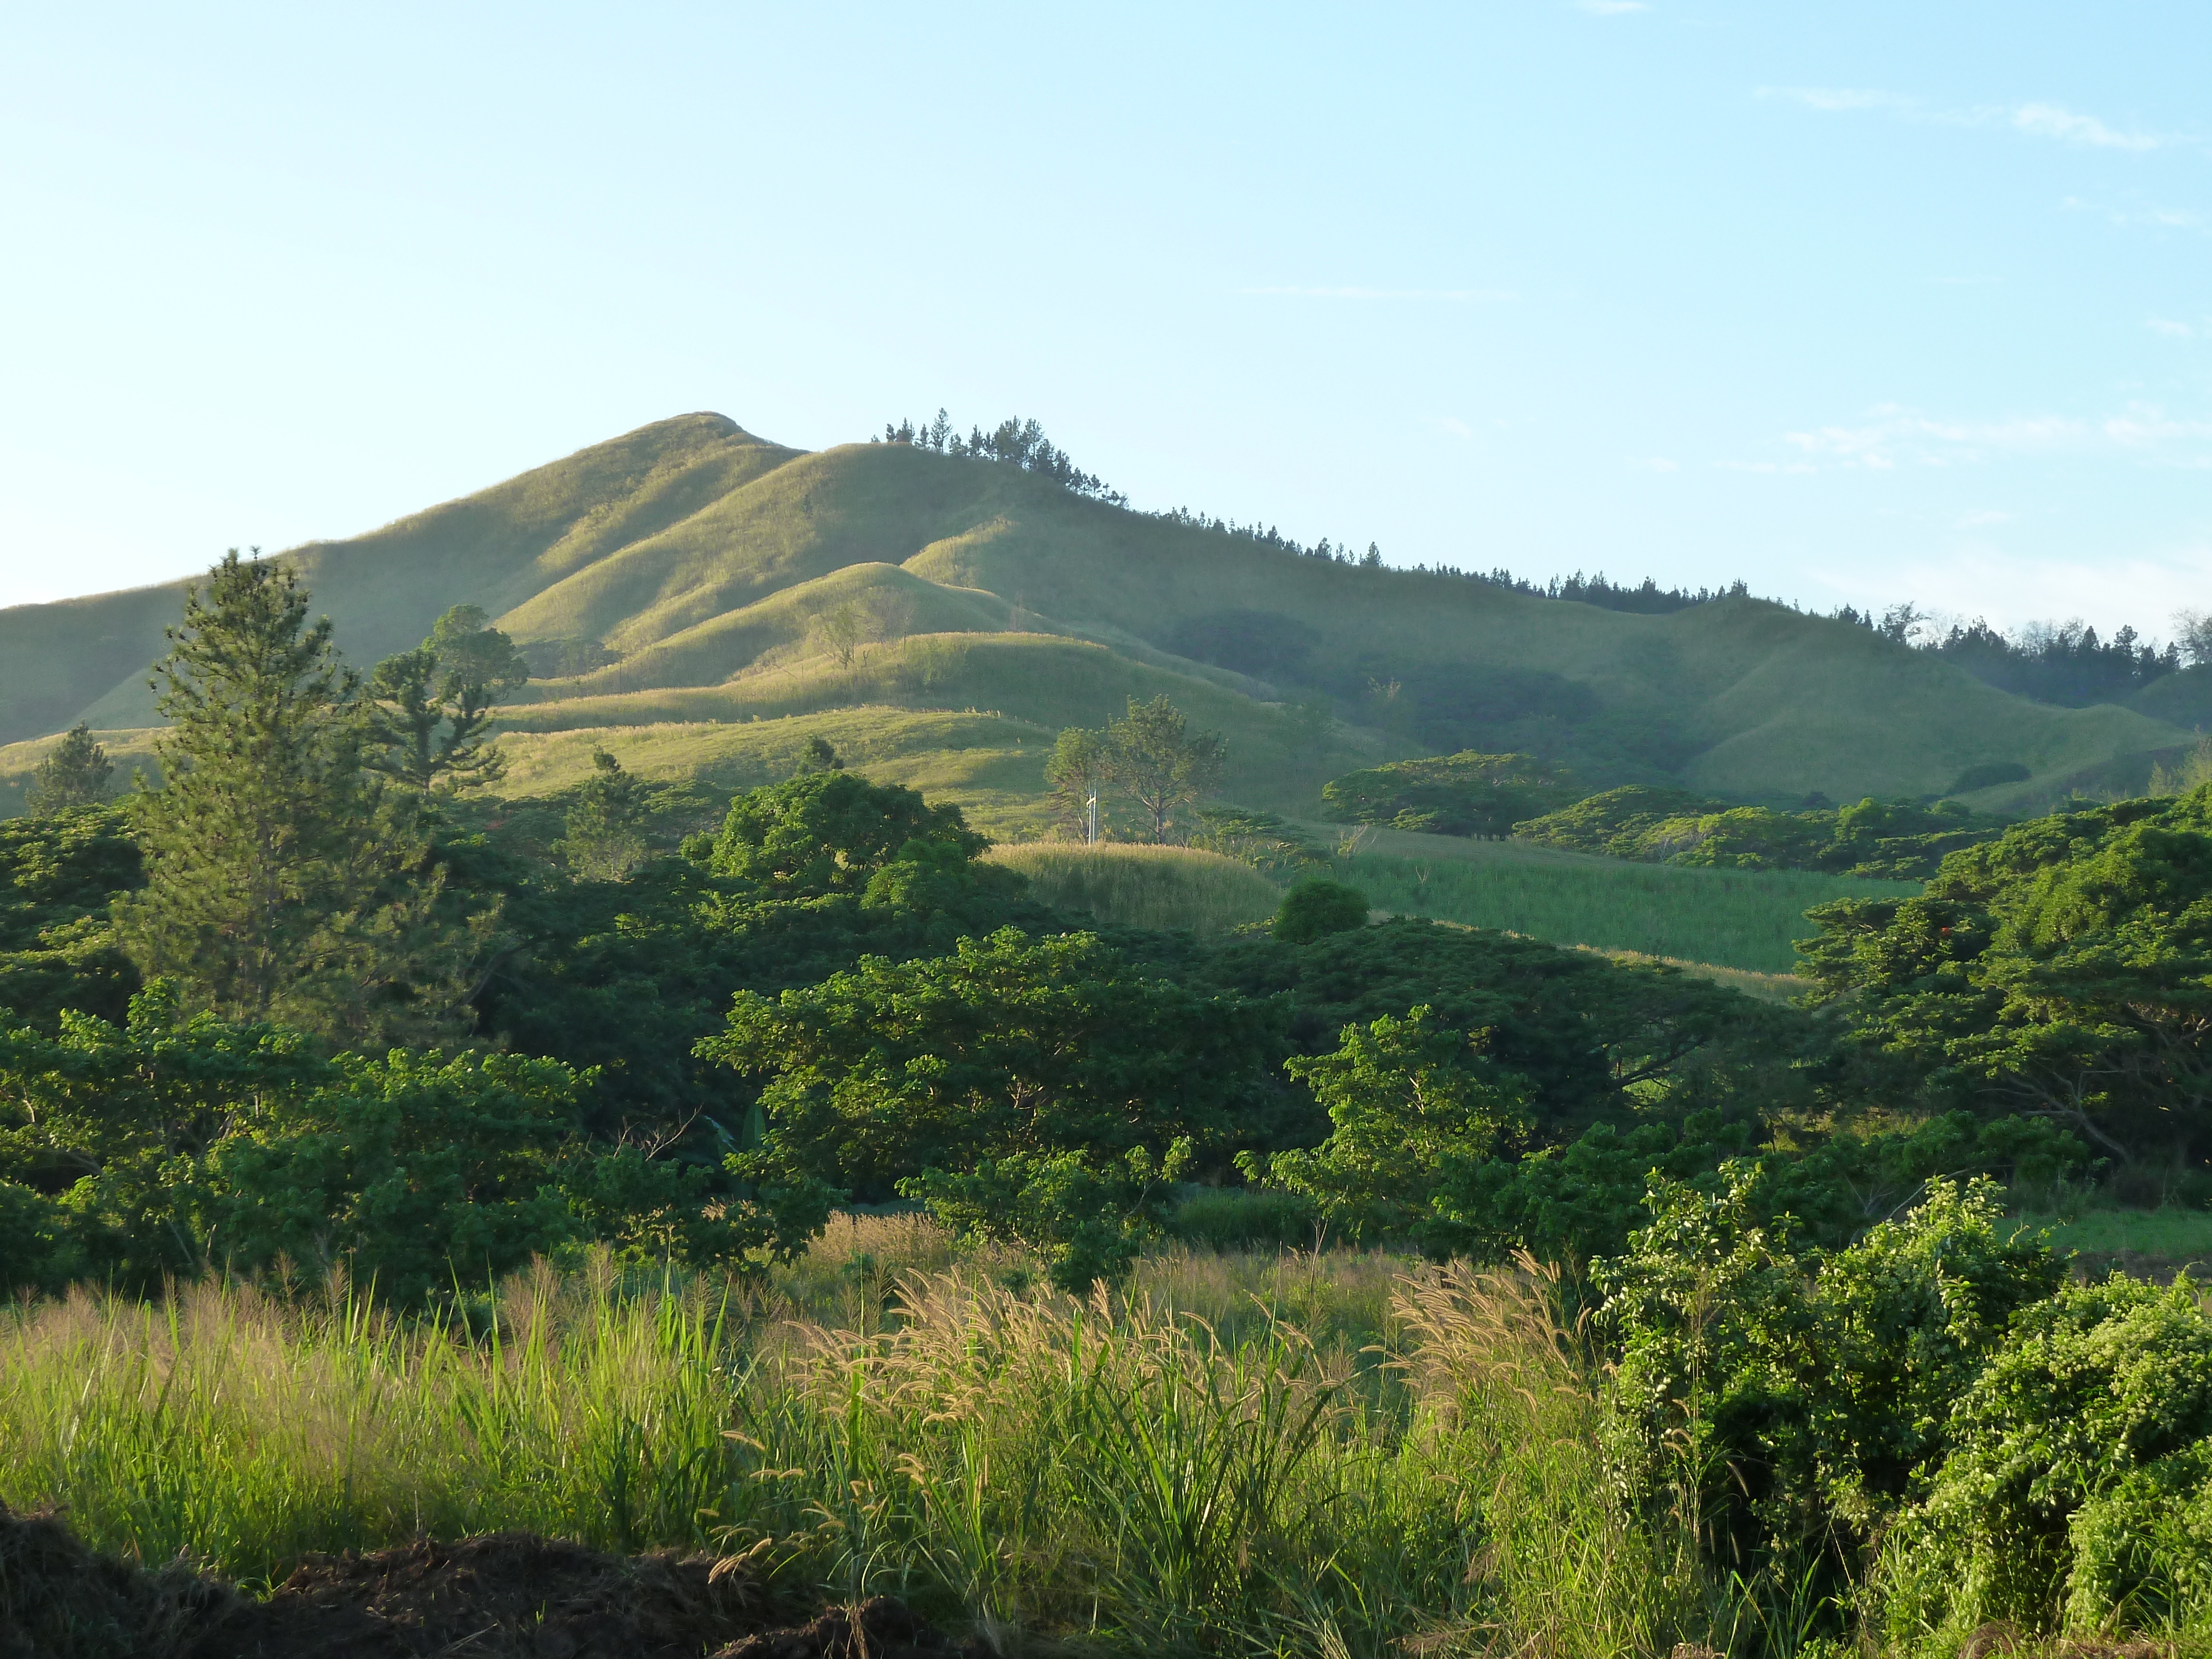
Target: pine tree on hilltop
281,882
76,773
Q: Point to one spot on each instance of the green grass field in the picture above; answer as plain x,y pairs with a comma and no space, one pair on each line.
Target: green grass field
1742,920
1223,1449
2171,1234
1157,887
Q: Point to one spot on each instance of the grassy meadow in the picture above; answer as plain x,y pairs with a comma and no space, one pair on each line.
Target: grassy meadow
1733,918
1240,1452
1135,886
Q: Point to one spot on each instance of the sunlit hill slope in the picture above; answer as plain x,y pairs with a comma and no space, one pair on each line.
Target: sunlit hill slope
695,564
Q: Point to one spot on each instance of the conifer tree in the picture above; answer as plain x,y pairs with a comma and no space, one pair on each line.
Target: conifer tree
281,883
429,707
76,773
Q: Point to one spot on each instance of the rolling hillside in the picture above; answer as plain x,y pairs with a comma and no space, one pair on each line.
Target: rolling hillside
696,563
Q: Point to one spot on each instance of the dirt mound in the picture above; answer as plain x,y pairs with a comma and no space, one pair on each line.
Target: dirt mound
59,1601
507,1595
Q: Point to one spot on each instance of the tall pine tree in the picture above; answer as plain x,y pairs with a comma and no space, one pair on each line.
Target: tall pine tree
75,773
280,881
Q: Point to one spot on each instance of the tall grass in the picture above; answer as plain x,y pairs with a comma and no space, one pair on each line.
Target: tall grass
1136,886
1739,919
1340,1456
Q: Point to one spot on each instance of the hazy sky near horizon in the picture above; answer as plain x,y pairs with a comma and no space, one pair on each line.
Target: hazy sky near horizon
1859,304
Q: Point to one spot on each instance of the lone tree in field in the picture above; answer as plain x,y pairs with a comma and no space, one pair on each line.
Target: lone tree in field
842,627
76,773
1077,771
280,880
1152,756
429,707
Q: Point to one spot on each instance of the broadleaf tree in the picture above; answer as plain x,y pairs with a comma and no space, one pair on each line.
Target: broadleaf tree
1154,759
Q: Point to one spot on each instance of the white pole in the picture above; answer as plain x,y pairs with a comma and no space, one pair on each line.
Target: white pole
1092,839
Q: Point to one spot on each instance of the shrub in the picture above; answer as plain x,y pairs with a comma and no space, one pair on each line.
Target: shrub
1317,907
2081,1491
1790,1402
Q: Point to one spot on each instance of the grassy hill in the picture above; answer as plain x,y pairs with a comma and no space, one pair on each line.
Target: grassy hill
696,564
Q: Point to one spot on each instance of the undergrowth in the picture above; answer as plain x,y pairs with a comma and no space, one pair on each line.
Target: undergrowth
1235,1453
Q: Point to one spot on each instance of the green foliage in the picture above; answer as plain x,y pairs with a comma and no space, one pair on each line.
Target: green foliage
1463,794
605,827
1790,1402
1037,1067
1889,840
430,708
1595,1040
2191,773
178,1142
1085,1215
1261,840
2065,970
470,650
76,772
1152,756
1076,772
627,978
57,949
279,880
830,832
2076,1499
1316,906
1415,1107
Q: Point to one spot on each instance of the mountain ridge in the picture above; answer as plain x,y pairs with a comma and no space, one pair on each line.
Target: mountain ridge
698,554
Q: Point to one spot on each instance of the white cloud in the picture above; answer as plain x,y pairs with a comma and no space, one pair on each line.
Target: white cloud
1892,435
2050,121
2011,592
2034,120
1461,295
2167,325
2138,212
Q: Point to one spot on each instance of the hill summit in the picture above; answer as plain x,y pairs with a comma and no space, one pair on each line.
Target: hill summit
700,599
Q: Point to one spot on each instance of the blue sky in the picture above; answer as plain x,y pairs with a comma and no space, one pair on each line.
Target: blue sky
1859,303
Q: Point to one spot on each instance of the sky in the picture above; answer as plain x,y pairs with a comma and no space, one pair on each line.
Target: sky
1858,304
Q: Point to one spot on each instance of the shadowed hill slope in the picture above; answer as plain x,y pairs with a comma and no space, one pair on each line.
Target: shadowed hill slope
700,564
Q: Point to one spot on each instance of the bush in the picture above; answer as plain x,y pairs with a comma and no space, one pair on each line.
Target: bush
2081,1491
1790,1402
1317,907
